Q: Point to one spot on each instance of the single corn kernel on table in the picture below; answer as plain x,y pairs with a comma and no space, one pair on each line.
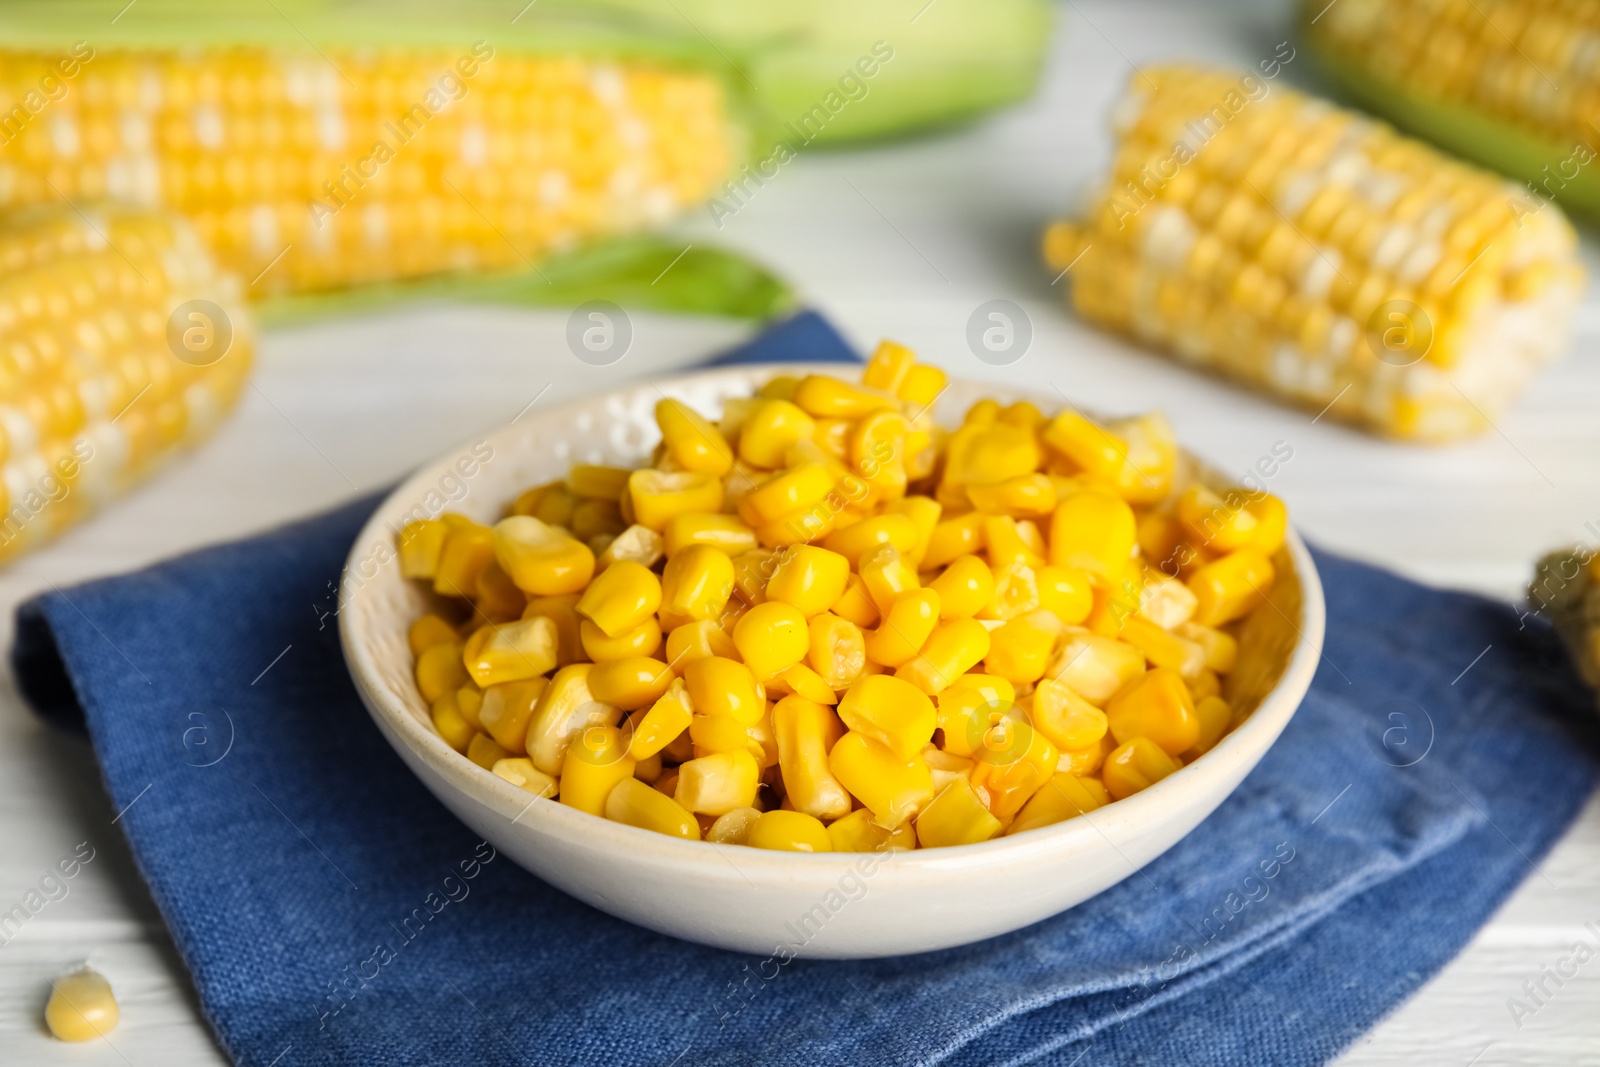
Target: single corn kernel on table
905,241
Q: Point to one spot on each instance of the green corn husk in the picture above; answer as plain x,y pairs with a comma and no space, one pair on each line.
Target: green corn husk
1552,170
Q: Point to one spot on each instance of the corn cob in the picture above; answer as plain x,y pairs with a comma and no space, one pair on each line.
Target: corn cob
1511,85
364,165
1566,590
1318,255
104,368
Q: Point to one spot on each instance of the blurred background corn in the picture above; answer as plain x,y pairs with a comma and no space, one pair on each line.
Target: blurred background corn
106,369
1266,235
1512,85
366,165
1566,590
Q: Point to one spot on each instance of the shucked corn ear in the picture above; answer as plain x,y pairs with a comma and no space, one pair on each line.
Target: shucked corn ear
1266,235
120,343
1510,85
844,637
308,169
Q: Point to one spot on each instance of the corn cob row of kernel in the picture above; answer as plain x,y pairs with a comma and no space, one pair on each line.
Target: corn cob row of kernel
94,311
822,622
1318,255
1566,590
358,166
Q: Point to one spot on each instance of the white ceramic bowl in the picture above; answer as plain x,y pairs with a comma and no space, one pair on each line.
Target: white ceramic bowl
830,905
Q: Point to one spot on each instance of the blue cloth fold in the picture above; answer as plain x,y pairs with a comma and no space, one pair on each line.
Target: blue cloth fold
332,912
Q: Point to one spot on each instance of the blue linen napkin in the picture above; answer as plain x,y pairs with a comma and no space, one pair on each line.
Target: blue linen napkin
330,911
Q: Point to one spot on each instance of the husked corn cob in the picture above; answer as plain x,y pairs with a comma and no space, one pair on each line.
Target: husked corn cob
94,314
830,624
1318,255
363,165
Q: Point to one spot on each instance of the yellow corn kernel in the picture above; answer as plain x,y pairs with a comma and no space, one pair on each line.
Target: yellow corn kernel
485,751
592,482
1135,766
720,686
596,762
801,680
1063,797
778,387
1016,592
733,827
805,731
1022,413
469,701
447,719
81,1006
892,788
888,367
959,535
726,532
505,711
691,440
892,712
510,651
993,452
695,584
855,541
886,575
808,578
1163,543
945,767
877,451
1272,524
642,640
924,514
857,832
771,637
785,495
468,548
542,560
697,640
824,397
560,610
922,451
1095,666
631,682
1093,530
1065,592
836,650
565,709
621,598
495,595
905,627
855,604
953,648
719,783
1205,684
994,689
965,587
657,496
524,775
420,543
647,770
969,718
1151,460
1215,715
769,432
1093,449
957,816
1231,587
751,570
1166,601
428,631
833,437
1005,543
1014,768
922,385
1083,762
1020,650
1164,649
1156,706
1222,649
440,671
1068,720
1019,497
638,543
718,733
631,801
1216,524
789,831
667,718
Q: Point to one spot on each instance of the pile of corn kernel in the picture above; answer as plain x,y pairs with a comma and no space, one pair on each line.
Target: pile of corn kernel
824,623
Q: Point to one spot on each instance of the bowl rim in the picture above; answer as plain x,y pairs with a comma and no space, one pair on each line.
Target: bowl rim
1246,743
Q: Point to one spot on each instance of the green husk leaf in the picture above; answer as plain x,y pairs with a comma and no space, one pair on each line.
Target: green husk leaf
1464,131
651,272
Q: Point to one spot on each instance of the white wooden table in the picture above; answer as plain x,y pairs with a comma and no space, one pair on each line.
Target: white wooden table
902,241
